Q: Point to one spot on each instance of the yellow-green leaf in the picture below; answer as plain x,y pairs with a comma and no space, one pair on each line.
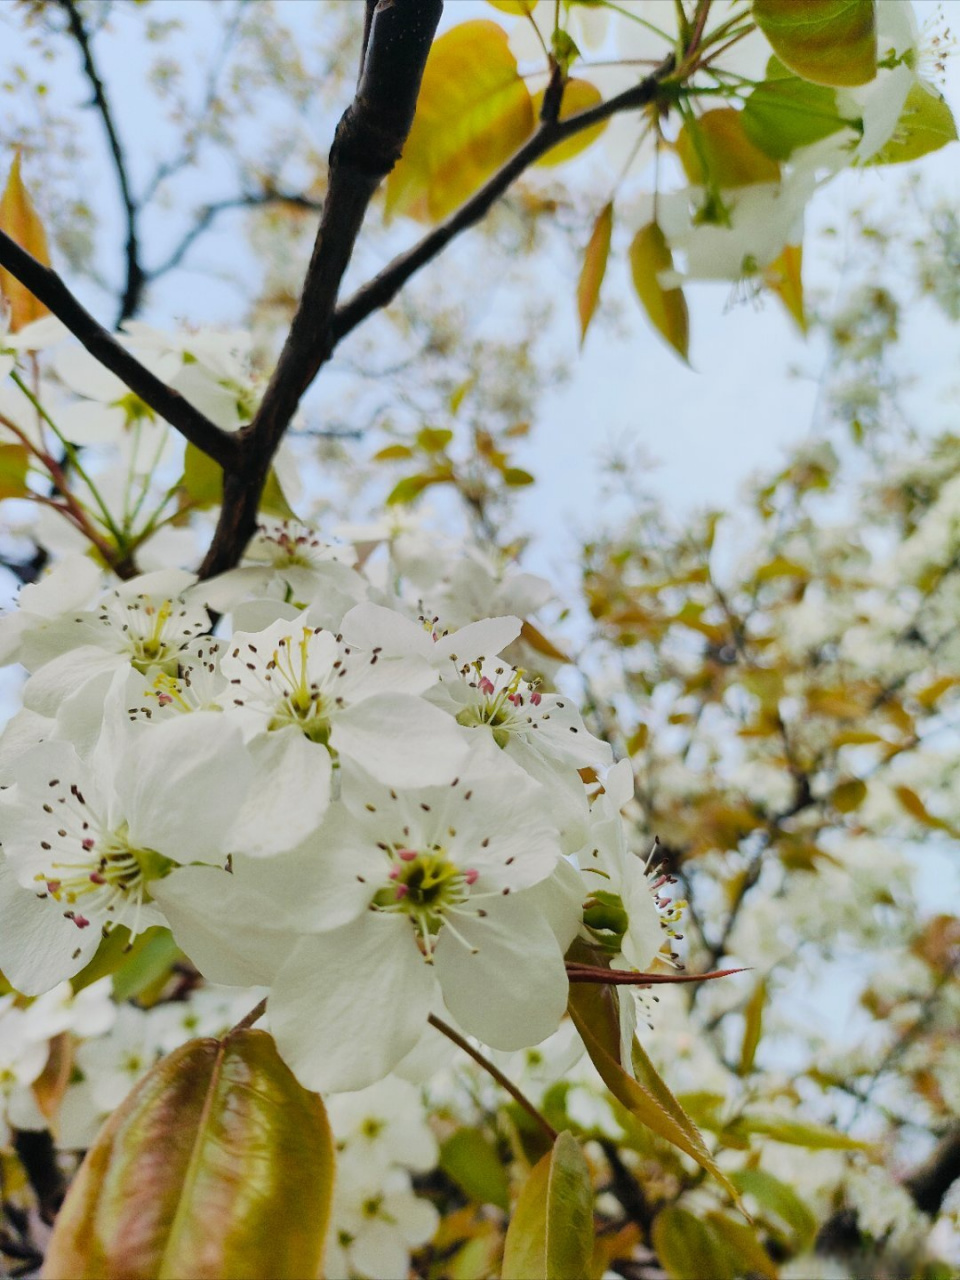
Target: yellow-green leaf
594,1012
785,112
831,42
473,112
515,7
201,486
783,276
20,220
472,1161
739,1242
14,461
578,95
551,1231
797,1133
849,795
685,1247
516,477
926,124
917,809
393,453
650,256
539,642
594,268
715,151
752,1028
776,1197
218,1164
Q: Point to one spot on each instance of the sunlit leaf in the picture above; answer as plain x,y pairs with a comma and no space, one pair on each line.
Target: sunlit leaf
650,256
926,124
473,112
434,439
20,220
831,42
472,1161
14,461
551,1231
917,809
410,488
785,112
685,1247
752,1028
393,453
201,486
798,1133
783,276
739,1243
517,478
50,1086
594,1013
776,1197
538,641
715,150
848,795
594,268
218,1164
578,95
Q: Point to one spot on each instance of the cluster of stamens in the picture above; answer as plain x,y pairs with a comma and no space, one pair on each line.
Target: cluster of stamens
504,701
105,876
155,633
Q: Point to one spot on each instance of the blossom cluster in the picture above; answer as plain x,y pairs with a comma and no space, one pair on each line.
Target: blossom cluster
323,790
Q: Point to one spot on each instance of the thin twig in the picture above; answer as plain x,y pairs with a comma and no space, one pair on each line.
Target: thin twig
496,1073
136,278
255,1014
45,285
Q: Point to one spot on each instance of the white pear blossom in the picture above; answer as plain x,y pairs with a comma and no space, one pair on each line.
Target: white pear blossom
83,843
374,1224
384,1126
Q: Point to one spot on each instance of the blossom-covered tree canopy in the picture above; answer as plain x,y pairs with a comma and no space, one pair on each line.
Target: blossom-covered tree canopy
369,905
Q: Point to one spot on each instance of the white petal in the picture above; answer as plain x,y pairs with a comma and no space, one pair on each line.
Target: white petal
401,740
222,925
181,783
513,991
348,1005
289,796
38,947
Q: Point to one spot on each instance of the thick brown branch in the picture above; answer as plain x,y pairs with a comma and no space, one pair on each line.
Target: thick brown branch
367,144
136,278
44,283
384,287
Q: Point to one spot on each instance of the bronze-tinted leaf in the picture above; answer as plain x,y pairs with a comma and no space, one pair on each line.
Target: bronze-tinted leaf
594,268
832,42
20,220
218,1165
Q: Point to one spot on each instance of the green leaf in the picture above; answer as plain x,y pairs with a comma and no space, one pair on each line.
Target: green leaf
473,112
551,1231
784,113
831,42
433,439
849,795
147,964
926,124
667,308
798,1133
201,486
516,477
593,1009
14,460
578,95
715,151
739,1242
685,1247
594,268
410,488
393,453
775,1196
218,1164
752,1029
471,1160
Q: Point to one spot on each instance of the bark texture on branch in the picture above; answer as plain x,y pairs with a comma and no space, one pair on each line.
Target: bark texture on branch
366,146
44,283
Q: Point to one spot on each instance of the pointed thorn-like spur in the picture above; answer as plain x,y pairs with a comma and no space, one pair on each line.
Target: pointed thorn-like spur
627,978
